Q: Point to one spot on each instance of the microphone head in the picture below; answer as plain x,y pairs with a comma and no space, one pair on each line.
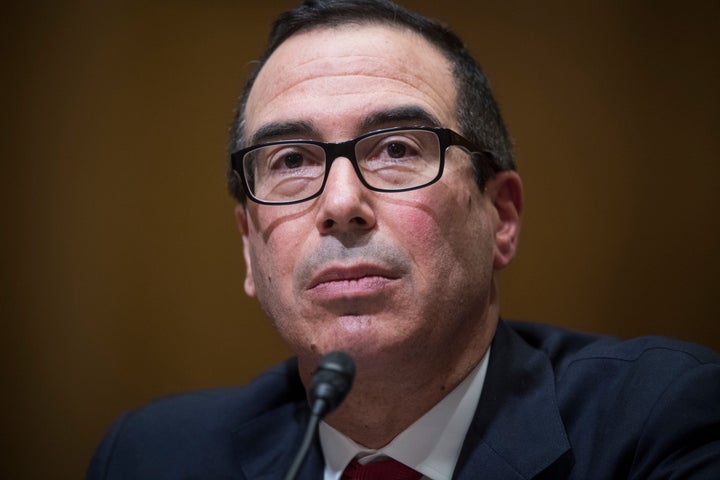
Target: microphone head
331,382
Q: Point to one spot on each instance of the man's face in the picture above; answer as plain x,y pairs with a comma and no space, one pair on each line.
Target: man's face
374,274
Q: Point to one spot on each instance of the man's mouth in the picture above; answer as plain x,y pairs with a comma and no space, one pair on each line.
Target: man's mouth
351,281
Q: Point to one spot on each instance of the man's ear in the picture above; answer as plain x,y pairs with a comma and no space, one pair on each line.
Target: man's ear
505,190
242,223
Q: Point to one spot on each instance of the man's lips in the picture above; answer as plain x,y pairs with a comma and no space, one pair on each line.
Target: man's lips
359,280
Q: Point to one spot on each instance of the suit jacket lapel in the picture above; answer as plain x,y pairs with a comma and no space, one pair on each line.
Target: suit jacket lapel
517,431
268,443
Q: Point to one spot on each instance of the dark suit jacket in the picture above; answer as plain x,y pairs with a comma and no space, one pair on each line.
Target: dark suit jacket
555,405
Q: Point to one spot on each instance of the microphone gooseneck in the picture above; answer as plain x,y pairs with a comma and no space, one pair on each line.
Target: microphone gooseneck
330,384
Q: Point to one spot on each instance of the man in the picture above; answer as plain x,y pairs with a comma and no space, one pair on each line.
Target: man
378,199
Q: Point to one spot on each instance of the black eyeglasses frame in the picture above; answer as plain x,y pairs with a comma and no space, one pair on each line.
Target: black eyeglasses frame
346,149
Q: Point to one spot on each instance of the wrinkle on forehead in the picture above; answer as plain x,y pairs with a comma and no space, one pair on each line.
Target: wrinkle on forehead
333,64
404,70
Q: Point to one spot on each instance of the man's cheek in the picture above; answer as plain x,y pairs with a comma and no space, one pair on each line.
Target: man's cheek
417,228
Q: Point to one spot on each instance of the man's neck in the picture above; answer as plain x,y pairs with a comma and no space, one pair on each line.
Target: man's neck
385,402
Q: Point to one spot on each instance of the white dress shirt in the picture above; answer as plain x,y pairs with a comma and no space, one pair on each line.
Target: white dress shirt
430,446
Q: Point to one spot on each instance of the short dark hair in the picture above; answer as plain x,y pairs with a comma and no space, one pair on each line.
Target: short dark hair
477,111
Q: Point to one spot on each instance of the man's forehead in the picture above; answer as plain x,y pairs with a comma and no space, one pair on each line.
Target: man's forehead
358,67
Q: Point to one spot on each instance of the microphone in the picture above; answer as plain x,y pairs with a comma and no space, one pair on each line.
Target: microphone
330,384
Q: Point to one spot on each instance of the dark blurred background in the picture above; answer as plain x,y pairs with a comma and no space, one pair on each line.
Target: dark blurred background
121,265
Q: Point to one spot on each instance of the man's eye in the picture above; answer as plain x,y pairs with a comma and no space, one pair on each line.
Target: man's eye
396,150
292,160
288,159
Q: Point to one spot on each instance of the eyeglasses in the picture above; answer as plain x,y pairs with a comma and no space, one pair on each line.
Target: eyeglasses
389,160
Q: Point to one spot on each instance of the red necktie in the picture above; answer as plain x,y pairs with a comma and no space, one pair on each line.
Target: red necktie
387,469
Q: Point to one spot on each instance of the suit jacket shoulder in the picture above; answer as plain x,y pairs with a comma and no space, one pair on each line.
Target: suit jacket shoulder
643,408
244,432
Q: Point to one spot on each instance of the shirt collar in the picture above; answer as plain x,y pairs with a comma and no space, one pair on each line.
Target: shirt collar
431,445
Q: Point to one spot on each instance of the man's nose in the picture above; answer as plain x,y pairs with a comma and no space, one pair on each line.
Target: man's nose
345,204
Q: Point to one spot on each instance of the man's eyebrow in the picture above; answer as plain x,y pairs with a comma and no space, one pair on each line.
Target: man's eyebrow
410,116
282,130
